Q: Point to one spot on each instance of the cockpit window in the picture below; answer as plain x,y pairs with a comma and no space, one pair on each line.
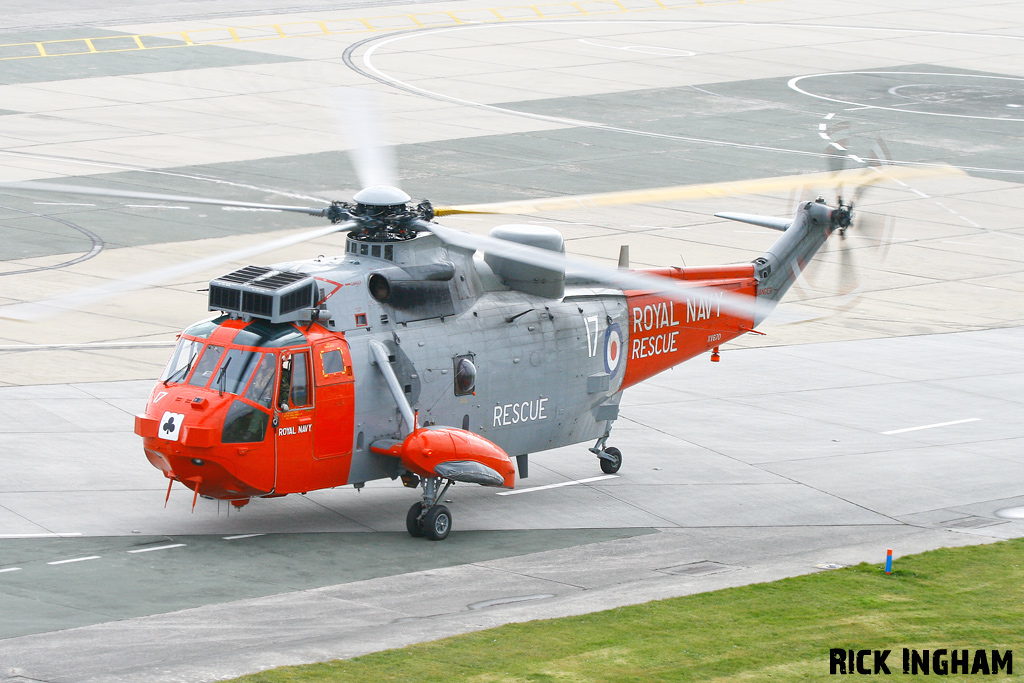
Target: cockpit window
269,335
262,388
244,424
206,365
236,370
182,360
203,330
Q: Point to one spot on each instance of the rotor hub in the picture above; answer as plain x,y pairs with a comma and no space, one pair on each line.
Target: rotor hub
842,216
381,196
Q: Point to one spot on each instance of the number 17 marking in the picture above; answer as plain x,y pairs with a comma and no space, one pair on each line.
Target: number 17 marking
591,322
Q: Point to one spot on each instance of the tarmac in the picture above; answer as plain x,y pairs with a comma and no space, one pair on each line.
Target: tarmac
889,417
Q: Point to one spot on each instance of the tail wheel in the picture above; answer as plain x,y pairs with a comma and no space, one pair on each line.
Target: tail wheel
412,520
611,460
437,523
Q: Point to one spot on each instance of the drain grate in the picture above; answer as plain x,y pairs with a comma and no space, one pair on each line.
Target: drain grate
702,568
971,522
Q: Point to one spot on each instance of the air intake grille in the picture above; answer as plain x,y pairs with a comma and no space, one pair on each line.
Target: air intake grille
224,299
261,305
259,292
300,298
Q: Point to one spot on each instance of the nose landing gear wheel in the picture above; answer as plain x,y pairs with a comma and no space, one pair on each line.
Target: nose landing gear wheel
437,523
611,460
412,520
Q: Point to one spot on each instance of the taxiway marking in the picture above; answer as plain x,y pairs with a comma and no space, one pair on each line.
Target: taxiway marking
555,486
159,547
235,538
44,535
939,424
76,559
10,569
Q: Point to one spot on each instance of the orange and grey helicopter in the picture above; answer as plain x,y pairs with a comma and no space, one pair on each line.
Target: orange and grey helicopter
409,357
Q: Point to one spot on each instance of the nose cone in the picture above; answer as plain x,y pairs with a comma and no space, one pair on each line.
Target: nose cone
209,476
183,436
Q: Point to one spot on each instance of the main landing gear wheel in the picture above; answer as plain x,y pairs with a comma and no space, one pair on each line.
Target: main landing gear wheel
437,523
412,520
611,460
427,518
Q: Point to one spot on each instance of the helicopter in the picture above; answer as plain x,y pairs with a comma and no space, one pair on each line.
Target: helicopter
409,357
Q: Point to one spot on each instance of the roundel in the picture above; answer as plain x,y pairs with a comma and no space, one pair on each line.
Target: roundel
612,348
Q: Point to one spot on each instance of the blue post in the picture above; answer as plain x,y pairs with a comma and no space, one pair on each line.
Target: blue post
888,561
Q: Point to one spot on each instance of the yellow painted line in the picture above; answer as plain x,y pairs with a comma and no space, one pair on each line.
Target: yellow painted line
395,22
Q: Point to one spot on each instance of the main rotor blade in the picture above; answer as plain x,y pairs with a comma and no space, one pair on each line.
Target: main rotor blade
59,188
737,305
38,310
860,177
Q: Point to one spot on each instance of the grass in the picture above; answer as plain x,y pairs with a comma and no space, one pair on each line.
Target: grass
970,597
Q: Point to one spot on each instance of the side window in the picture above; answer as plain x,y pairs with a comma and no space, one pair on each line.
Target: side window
465,375
295,380
333,362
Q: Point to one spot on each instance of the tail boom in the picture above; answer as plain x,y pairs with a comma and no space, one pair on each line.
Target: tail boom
665,331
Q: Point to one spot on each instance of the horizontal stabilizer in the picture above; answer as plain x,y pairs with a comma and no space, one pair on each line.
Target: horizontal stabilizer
780,224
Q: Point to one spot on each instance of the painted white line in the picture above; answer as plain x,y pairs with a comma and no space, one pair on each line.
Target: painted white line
159,547
87,345
235,538
940,424
48,535
555,486
77,559
10,569
60,204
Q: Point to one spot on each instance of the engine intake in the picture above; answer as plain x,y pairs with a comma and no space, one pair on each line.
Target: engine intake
259,292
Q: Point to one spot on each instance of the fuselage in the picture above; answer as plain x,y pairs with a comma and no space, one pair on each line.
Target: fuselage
248,407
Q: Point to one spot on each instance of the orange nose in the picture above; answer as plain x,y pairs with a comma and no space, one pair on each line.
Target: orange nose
206,476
